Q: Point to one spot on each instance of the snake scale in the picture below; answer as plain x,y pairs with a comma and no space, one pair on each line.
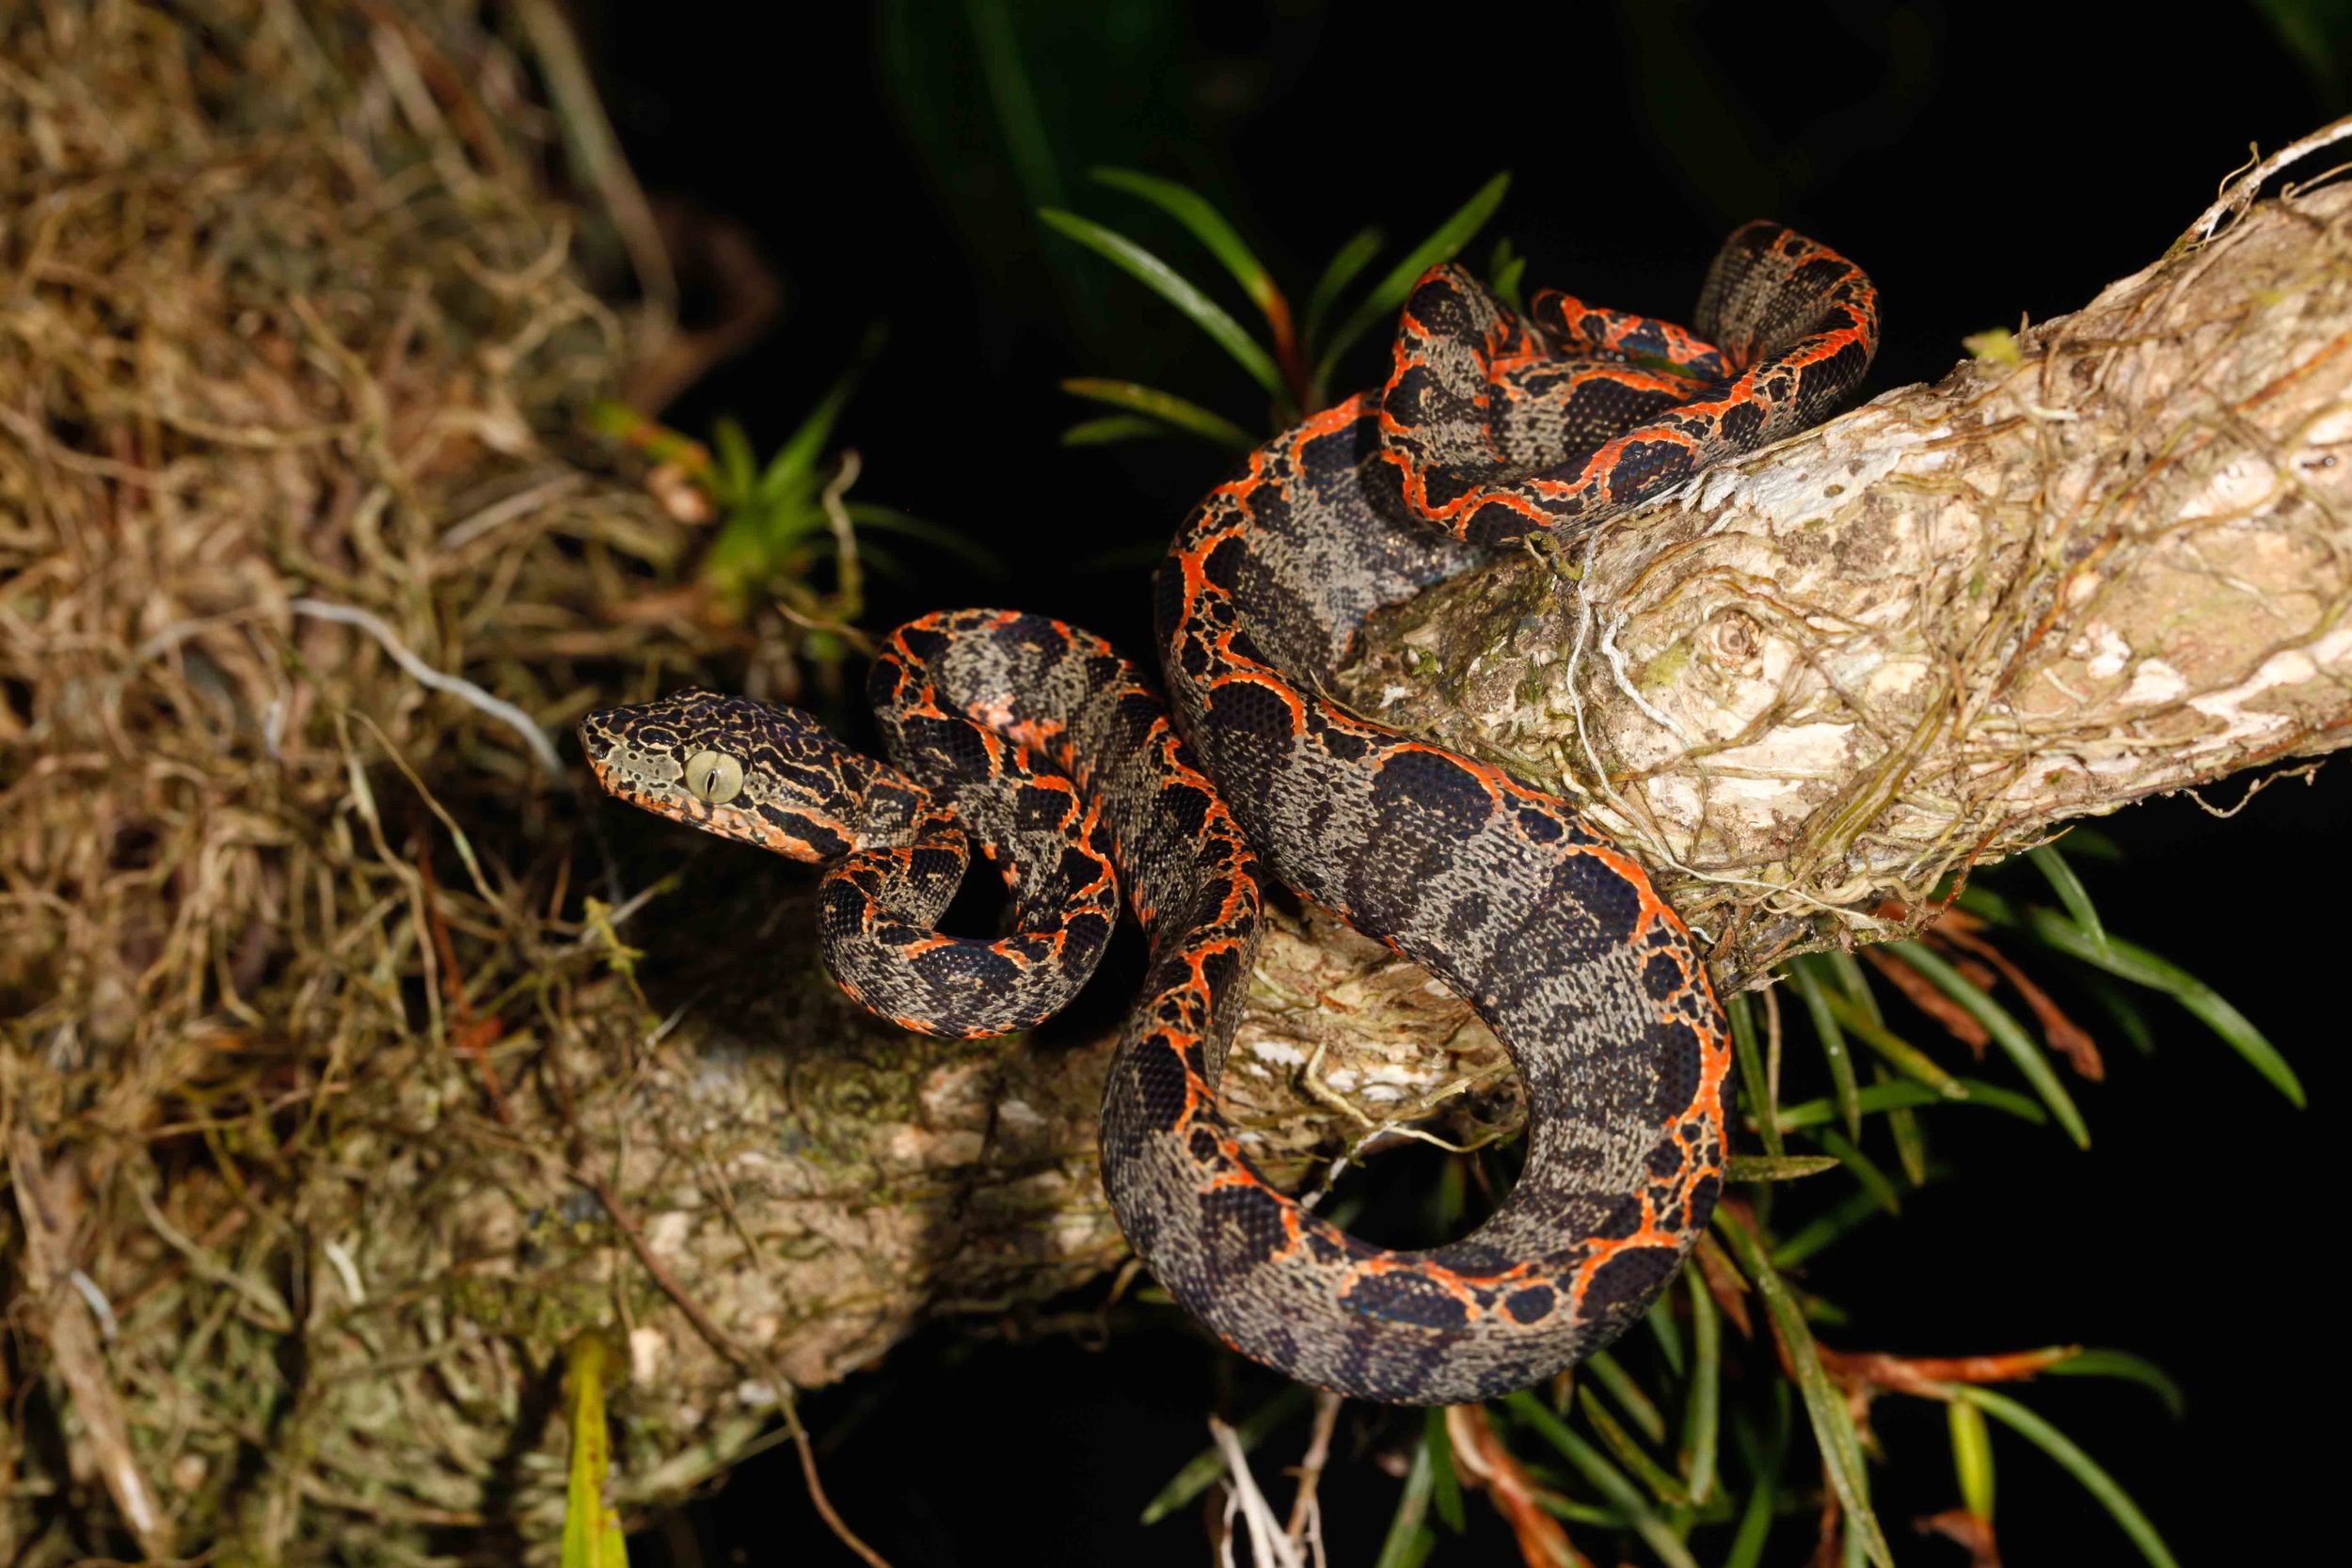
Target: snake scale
1040,743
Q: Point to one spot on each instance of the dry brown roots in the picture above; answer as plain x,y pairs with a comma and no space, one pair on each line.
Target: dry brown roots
331,1108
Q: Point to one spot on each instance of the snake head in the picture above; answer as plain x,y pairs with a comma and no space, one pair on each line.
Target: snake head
751,772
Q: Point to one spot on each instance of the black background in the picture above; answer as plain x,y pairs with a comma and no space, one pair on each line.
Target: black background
1984,162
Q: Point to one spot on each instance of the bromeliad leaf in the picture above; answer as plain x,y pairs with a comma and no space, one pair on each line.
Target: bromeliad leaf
1349,260
2029,1059
1207,225
2086,1470
1387,295
1173,287
1115,427
1167,407
1832,1423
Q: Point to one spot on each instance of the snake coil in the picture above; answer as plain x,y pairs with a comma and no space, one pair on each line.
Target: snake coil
1038,741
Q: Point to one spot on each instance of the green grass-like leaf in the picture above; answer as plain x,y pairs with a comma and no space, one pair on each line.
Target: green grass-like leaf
1898,1094
2130,1367
1350,258
1445,1487
1604,1477
1833,1043
1173,287
1972,1456
1863,1168
592,1532
2086,1470
1702,1408
1409,1540
1664,1487
1824,1405
1111,428
1892,1049
1387,295
1667,1331
1201,218
1167,407
2136,964
1505,270
795,461
1764,1111
1607,1370
2070,891
1777,1167
1201,1471
2024,1053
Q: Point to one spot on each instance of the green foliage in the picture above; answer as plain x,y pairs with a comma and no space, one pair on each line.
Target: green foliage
592,1532
1295,365
778,520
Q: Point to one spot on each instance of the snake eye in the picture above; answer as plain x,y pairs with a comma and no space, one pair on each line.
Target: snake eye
713,778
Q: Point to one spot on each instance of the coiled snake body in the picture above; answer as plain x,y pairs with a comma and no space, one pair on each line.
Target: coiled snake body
1054,754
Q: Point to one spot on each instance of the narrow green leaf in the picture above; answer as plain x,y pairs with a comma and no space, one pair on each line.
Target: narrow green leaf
1892,1049
1854,983
1824,1405
1028,144
1173,287
2071,892
1503,272
1166,407
1573,1512
1702,1409
1666,1331
1206,224
1896,1093
1202,1469
1604,1477
2027,1056
1863,1168
1777,1167
2084,1470
1408,1541
2087,842
1445,1486
2136,964
1662,1486
1755,1524
1909,1139
1387,295
737,471
2123,1364
592,1532
1972,1457
1610,1374
2122,1007
888,519
1765,1458
1825,1229
795,462
1346,262
1115,427
1841,1074
1764,1115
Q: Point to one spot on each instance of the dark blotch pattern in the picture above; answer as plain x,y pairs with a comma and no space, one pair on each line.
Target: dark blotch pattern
1490,428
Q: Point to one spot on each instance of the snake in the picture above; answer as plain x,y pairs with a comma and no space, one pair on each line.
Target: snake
1059,759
